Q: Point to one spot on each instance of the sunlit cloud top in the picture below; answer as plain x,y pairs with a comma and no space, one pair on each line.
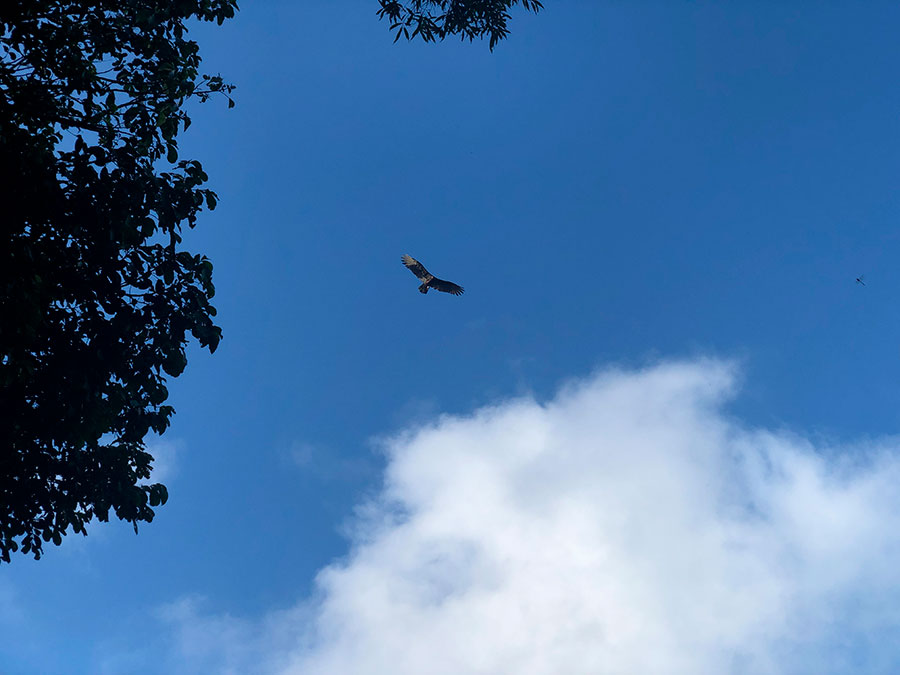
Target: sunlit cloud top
627,525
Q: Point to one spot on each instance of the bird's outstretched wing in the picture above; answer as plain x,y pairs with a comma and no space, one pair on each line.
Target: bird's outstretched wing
446,286
415,267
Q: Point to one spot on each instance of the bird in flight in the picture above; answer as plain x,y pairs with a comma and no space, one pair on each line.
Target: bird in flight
429,280
860,278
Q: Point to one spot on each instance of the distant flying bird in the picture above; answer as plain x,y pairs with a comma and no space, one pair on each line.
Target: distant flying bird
860,278
428,279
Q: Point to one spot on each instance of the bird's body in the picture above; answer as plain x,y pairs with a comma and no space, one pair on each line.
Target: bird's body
428,279
860,278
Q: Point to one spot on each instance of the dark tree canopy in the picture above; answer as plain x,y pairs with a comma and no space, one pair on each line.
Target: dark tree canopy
97,296
436,19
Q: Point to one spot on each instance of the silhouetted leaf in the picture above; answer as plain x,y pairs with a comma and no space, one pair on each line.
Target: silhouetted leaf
439,18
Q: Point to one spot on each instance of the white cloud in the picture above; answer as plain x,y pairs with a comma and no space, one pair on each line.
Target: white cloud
329,464
626,526
165,459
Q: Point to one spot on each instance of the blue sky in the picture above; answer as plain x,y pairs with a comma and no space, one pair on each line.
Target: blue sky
617,184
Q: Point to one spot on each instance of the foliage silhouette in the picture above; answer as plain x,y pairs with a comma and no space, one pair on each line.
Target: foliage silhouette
436,19
97,297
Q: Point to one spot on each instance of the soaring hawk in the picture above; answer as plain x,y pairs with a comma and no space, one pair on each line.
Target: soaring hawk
428,279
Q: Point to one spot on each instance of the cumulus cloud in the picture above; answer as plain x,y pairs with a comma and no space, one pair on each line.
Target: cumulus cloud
628,525
165,459
329,465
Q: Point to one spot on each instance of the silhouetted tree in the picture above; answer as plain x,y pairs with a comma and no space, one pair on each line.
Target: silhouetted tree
97,297
436,19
